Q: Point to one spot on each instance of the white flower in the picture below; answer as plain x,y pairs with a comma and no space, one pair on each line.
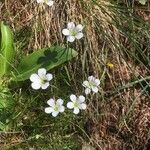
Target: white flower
48,2
76,103
40,80
91,85
55,107
73,32
143,2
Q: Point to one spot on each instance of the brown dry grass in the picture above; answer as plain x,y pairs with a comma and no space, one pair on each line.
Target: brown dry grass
110,123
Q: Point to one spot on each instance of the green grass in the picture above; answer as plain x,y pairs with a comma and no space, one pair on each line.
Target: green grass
38,129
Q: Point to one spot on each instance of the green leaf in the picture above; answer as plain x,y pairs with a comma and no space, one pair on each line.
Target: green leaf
7,50
47,58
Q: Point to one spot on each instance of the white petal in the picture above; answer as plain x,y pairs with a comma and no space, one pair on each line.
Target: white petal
87,91
81,98
40,1
49,110
49,76
83,106
79,27
65,32
97,82
55,113
91,78
61,109
94,89
86,84
70,105
71,25
36,85
51,102
79,35
49,2
34,78
59,102
70,38
73,98
76,110
42,72
45,86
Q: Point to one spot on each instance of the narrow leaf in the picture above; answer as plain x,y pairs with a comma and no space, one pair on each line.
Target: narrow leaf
7,51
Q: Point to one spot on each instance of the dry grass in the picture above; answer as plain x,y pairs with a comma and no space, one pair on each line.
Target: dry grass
115,120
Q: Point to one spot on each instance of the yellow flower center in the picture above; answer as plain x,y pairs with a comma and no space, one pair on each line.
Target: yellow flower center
43,81
76,104
110,65
73,32
56,107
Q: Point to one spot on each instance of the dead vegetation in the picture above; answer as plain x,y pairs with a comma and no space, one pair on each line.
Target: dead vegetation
115,119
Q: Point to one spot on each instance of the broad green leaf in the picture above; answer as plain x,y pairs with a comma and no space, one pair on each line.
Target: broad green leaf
7,50
47,58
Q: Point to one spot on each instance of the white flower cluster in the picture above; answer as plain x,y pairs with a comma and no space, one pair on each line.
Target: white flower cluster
41,81
42,78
